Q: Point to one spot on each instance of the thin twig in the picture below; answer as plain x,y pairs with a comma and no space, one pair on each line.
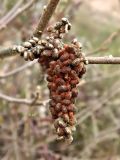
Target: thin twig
15,143
104,99
101,78
95,128
7,52
17,13
21,101
104,45
17,70
12,11
107,134
112,115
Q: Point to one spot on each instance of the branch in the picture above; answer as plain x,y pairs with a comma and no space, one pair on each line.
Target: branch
17,70
45,17
104,135
104,45
16,13
21,101
103,60
11,12
103,100
8,51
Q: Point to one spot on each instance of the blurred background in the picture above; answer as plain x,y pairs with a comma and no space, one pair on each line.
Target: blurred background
26,130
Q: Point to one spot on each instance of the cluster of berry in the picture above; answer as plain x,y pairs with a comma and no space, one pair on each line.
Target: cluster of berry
64,69
63,77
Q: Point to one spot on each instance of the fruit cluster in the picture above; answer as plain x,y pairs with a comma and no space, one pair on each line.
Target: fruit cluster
64,70
63,77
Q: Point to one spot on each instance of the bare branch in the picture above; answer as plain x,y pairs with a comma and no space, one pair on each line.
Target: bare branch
21,101
100,78
16,13
12,11
103,60
107,134
15,143
45,17
7,52
17,70
104,99
105,43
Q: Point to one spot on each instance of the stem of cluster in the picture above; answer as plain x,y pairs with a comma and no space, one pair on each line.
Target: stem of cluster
45,17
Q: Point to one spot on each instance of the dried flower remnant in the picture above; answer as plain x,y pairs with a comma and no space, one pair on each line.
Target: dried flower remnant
64,69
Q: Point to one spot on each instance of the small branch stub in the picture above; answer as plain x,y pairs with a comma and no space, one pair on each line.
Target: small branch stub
45,17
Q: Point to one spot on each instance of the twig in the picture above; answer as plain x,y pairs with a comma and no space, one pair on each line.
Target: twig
100,78
15,144
12,11
45,17
73,7
107,134
103,60
94,125
7,52
17,13
105,43
112,115
17,70
104,99
21,101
